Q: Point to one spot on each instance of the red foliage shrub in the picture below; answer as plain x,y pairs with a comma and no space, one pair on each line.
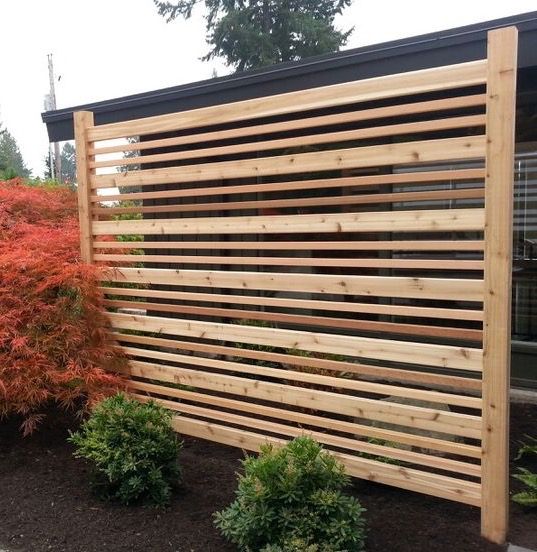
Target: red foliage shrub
33,205
53,331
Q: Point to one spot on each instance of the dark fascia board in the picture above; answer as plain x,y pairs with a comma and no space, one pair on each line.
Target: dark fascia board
430,50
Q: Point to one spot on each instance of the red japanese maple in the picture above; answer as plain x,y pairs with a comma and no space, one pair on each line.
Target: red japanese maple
54,345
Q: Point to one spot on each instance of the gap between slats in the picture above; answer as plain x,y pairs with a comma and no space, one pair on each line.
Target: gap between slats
406,376
426,354
402,84
289,375
450,423
338,306
437,195
434,220
373,245
424,151
352,428
409,264
465,334
354,445
320,183
454,289
444,104
451,123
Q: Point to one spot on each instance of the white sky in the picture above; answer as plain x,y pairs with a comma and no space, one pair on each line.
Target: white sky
108,48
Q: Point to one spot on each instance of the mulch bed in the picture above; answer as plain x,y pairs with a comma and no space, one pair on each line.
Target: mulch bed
46,505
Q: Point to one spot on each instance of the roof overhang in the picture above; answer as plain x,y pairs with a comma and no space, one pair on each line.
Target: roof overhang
430,50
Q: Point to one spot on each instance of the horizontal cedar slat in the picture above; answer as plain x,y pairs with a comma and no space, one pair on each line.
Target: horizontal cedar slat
323,438
450,423
458,102
352,428
378,286
435,220
437,195
465,334
425,151
339,306
377,372
403,84
373,245
427,354
315,184
410,479
318,379
383,131
431,264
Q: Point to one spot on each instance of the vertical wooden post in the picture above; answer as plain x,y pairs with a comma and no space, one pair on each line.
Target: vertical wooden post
83,120
501,101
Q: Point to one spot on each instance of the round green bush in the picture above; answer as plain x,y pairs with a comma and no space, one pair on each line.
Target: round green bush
133,449
290,500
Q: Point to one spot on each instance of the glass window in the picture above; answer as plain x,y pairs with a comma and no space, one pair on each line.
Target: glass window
525,247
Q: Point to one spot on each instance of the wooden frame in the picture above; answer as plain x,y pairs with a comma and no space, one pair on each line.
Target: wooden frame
501,103
280,264
83,120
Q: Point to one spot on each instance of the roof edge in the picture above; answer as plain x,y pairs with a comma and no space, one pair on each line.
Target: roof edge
467,34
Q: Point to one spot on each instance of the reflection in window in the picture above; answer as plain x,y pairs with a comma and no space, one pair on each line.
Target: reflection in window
524,310
525,248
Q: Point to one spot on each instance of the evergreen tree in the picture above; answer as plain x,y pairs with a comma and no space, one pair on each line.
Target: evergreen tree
255,33
48,171
3,165
11,161
68,157
126,168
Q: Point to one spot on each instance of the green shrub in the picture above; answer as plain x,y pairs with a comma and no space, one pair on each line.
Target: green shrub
129,216
289,500
529,496
316,371
383,459
133,449
256,347
8,174
528,449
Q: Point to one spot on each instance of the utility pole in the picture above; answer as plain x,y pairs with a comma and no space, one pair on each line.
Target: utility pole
52,96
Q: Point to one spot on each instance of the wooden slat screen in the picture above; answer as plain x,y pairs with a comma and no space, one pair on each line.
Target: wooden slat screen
332,261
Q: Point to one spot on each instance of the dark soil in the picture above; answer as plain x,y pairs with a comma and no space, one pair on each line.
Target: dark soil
46,504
